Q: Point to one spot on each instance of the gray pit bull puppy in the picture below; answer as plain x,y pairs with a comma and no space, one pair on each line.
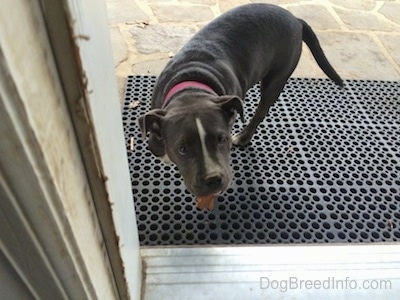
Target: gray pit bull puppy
200,91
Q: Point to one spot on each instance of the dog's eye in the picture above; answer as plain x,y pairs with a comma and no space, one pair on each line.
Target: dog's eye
182,150
221,139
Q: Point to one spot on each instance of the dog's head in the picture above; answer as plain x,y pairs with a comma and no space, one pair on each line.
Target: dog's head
194,133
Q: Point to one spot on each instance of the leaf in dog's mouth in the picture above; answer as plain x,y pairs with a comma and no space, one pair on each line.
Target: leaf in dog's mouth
205,202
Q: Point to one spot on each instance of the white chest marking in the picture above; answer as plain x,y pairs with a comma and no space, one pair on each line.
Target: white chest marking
208,162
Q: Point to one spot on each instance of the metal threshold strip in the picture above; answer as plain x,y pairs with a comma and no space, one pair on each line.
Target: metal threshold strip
370,271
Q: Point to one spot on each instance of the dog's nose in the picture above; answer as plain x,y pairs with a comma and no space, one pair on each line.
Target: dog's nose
213,181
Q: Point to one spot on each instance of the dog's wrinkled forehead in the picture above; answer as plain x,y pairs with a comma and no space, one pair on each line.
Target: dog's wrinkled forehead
180,126
211,116
184,127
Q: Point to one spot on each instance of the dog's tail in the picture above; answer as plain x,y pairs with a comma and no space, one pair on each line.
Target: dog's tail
312,42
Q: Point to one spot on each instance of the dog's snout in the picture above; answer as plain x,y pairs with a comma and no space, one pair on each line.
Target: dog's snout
210,183
213,181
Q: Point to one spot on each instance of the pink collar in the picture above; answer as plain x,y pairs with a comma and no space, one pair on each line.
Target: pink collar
184,85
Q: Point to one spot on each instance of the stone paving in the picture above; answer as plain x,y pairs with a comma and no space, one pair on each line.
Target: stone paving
361,38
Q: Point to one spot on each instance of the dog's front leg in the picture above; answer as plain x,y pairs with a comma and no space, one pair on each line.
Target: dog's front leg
270,91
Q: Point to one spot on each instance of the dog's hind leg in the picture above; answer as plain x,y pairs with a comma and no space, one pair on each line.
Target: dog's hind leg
270,90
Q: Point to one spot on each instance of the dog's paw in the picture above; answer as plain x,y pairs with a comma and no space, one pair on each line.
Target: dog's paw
238,140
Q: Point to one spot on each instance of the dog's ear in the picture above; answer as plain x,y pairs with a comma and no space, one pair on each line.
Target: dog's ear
232,105
151,122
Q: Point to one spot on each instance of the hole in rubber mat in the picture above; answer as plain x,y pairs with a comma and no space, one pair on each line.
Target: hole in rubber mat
323,167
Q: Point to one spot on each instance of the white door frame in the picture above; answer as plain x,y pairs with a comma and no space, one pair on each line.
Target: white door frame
66,209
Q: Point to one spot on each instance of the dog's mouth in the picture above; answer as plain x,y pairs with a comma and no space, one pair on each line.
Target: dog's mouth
206,202
203,189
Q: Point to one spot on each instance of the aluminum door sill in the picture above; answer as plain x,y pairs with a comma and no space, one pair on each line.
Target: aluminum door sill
371,271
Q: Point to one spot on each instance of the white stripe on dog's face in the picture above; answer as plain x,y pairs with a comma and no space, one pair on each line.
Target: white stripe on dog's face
209,164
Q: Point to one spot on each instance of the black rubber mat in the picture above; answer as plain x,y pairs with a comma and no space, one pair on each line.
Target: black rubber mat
323,167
